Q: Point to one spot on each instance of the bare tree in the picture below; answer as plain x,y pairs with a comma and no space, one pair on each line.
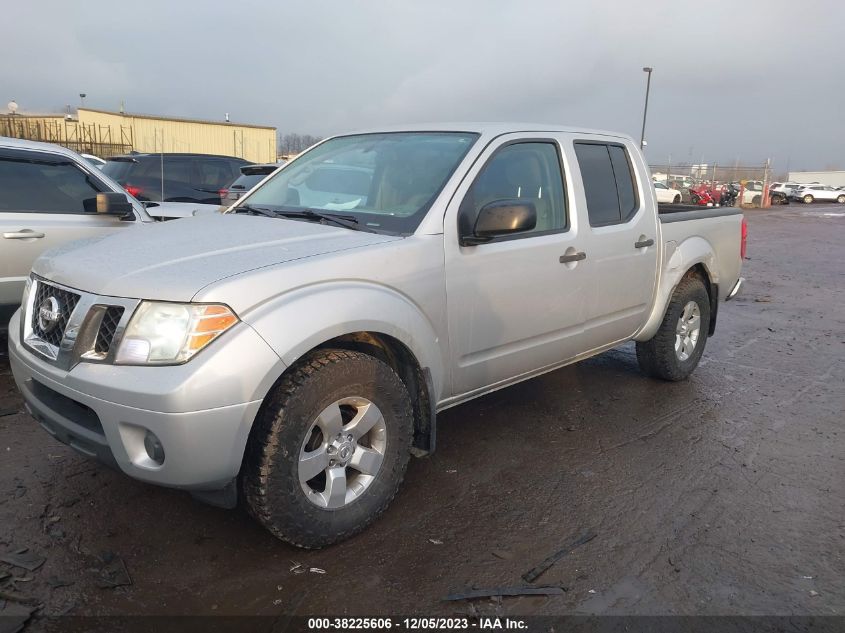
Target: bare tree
295,143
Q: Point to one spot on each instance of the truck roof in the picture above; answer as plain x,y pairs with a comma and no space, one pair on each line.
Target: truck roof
490,129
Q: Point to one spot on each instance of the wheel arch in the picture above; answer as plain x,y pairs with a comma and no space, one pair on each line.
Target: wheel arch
698,260
417,379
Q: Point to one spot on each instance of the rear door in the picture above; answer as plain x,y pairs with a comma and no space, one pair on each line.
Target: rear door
45,200
620,241
514,303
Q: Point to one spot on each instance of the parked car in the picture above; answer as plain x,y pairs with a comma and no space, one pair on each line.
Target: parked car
96,161
197,178
48,196
250,176
300,354
666,194
818,193
752,193
779,192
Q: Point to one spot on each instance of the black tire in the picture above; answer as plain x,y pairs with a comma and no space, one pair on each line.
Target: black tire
841,199
269,477
756,200
808,199
676,200
657,357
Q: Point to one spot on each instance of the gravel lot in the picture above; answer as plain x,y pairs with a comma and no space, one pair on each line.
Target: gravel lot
720,495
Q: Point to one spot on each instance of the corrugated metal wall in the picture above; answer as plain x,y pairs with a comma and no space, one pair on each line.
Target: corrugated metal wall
151,134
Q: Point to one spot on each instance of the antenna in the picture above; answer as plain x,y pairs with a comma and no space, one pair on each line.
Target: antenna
13,106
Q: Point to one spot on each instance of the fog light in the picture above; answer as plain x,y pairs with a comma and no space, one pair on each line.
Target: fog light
155,450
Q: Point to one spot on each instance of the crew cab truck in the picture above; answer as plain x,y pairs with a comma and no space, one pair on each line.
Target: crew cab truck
294,351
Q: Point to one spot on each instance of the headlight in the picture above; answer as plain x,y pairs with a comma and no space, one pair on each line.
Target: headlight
171,333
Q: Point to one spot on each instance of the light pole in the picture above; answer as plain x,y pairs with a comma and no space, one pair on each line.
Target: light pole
82,96
648,70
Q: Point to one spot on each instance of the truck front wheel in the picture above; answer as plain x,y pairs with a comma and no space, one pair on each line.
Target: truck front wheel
328,449
673,353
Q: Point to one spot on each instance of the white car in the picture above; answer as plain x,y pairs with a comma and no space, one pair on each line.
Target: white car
666,194
821,193
783,187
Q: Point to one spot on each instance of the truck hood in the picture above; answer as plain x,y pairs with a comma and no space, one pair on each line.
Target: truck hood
172,261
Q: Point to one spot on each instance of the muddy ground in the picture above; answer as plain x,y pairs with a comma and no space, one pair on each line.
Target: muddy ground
724,494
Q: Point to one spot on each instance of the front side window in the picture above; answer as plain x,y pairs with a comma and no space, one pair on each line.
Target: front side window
660,185
386,182
521,171
41,183
608,183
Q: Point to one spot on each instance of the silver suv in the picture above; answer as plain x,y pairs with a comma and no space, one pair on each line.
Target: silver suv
48,196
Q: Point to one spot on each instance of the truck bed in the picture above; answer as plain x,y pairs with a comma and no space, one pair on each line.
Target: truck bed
681,212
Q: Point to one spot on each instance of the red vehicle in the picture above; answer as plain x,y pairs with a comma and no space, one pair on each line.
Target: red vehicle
707,194
702,195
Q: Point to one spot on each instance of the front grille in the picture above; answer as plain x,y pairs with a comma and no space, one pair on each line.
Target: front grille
65,301
108,327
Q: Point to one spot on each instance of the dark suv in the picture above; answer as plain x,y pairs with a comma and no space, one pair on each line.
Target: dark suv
197,178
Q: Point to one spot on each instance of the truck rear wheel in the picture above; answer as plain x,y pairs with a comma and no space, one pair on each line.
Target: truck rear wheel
328,449
673,353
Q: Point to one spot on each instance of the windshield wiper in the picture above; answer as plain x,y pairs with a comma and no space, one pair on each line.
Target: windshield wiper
339,219
248,208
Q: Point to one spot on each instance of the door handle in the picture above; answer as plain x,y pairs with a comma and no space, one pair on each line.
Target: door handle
644,243
576,257
25,234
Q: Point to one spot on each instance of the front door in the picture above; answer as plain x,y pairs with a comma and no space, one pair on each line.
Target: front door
513,305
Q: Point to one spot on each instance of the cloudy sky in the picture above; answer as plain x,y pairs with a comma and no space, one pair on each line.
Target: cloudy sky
740,79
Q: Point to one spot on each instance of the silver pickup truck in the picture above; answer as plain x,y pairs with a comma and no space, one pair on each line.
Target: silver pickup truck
295,350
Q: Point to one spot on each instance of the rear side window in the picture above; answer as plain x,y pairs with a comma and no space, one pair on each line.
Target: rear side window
118,169
213,174
46,186
608,183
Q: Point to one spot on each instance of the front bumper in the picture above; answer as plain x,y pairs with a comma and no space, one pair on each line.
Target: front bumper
201,412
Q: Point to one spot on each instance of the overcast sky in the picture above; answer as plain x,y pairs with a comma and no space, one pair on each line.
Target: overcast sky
746,79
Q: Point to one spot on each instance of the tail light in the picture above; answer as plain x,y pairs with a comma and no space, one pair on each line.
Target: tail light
223,192
743,244
133,190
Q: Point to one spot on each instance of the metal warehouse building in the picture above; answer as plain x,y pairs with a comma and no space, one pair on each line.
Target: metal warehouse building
105,133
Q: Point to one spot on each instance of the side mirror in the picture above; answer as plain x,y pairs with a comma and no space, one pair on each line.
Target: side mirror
501,217
113,203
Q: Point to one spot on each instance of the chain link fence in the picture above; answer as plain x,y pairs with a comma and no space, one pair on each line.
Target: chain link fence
748,182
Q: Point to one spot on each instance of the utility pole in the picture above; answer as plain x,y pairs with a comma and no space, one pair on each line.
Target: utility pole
646,69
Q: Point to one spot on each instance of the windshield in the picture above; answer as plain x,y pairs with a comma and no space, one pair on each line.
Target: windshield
387,182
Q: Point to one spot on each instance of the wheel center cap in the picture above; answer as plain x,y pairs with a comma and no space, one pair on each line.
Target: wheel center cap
344,452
